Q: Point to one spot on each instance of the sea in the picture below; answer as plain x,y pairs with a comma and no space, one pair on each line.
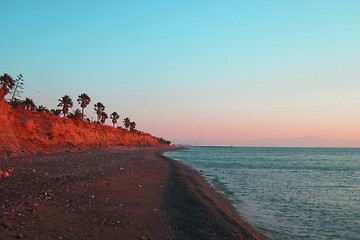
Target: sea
286,193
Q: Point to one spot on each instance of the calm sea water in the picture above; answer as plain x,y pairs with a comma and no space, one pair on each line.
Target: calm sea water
286,193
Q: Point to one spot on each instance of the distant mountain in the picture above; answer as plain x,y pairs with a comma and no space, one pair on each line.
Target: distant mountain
300,142
272,142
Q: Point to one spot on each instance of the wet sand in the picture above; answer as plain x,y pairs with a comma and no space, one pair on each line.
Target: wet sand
122,193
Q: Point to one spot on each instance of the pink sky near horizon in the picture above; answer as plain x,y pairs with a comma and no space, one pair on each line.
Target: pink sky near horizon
209,133
262,124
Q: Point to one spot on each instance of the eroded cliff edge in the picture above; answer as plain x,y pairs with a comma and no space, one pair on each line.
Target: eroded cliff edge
23,131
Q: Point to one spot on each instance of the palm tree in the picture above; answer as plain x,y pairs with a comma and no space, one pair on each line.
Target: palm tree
114,116
29,104
65,103
103,117
76,115
83,100
127,122
56,112
132,126
42,109
16,103
7,83
99,109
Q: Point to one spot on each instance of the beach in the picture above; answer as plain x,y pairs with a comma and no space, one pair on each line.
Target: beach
117,193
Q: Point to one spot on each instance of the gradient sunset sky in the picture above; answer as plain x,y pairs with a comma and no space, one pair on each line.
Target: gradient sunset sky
195,70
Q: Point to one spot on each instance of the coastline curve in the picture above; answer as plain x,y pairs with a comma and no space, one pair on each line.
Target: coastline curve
197,211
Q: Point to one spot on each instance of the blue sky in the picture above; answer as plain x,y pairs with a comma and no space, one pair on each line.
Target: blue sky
203,70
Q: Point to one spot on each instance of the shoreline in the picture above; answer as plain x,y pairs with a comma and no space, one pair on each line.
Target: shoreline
119,193
211,215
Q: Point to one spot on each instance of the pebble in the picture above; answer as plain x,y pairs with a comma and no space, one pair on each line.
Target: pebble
20,236
7,225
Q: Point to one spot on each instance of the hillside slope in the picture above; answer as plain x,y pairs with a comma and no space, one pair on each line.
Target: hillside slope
27,132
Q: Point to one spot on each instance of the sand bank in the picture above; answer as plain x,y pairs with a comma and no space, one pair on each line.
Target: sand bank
121,193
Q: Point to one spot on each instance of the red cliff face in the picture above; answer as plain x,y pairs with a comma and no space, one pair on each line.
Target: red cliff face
8,141
26,132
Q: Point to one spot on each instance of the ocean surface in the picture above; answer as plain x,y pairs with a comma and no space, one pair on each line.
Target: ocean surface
286,193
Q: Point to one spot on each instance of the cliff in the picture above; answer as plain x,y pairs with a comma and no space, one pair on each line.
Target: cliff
23,131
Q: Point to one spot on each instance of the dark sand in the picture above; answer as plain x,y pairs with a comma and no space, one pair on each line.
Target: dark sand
124,193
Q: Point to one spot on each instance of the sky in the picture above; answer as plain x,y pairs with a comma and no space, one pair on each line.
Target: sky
211,71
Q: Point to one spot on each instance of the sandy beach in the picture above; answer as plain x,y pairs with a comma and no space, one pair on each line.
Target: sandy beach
120,193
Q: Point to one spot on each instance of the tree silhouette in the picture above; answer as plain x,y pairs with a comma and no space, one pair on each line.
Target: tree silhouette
16,103
83,100
18,83
42,109
65,103
76,115
99,109
56,112
29,104
7,83
127,122
163,141
103,117
132,126
114,116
